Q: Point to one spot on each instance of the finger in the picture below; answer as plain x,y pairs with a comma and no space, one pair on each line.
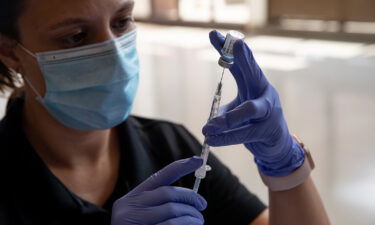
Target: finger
217,40
255,80
169,211
183,220
225,108
170,174
245,134
249,111
167,194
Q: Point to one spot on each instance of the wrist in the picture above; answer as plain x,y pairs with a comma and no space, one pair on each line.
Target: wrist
297,177
291,160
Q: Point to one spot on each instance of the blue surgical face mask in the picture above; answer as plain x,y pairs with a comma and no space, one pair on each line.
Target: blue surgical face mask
90,87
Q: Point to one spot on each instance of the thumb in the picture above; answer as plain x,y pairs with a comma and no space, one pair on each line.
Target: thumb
217,40
170,174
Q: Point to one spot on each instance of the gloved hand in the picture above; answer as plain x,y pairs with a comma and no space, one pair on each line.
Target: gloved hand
154,202
254,118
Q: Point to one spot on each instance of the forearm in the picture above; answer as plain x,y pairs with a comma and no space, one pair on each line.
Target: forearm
300,205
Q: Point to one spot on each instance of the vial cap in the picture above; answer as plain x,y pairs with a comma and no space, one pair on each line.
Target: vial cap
226,60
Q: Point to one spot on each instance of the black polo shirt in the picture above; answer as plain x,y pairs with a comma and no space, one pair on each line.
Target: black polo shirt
31,195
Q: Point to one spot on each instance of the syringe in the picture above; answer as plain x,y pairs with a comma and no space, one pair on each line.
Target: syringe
225,61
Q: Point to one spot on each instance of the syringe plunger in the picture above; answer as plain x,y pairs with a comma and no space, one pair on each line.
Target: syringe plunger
226,60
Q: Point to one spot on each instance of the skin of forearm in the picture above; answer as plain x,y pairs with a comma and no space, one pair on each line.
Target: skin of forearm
298,206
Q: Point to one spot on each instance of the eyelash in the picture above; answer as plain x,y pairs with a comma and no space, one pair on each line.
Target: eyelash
126,21
79,38
76,39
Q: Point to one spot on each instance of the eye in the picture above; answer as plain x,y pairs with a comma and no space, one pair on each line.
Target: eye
123,23
74,40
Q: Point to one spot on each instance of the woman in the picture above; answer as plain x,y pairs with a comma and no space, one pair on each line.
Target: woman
71,154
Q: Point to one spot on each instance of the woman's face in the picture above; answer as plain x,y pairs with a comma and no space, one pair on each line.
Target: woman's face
47,25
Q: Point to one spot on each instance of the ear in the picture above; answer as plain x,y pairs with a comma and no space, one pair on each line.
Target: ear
8,54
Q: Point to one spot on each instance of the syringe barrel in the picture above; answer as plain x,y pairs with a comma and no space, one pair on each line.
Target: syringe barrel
201,172
215,106
226,60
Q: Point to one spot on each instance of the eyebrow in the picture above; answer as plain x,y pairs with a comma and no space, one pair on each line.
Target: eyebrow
129,5
68,22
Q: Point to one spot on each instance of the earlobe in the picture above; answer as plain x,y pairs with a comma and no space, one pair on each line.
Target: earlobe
7,53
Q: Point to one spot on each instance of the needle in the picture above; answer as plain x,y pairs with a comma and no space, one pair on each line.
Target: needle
222,74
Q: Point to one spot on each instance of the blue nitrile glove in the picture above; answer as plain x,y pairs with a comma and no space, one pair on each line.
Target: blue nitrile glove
254,118
154,202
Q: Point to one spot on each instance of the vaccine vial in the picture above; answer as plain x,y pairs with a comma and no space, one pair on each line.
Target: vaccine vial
226,60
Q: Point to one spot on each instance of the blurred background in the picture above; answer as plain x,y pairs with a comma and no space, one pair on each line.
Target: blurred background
320,55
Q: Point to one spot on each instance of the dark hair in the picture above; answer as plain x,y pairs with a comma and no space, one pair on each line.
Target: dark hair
10,11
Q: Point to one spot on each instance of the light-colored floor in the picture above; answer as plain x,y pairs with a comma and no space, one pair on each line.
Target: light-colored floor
327,89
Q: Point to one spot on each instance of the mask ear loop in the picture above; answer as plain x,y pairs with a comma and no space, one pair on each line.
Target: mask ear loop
25,77
32,87
26,50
